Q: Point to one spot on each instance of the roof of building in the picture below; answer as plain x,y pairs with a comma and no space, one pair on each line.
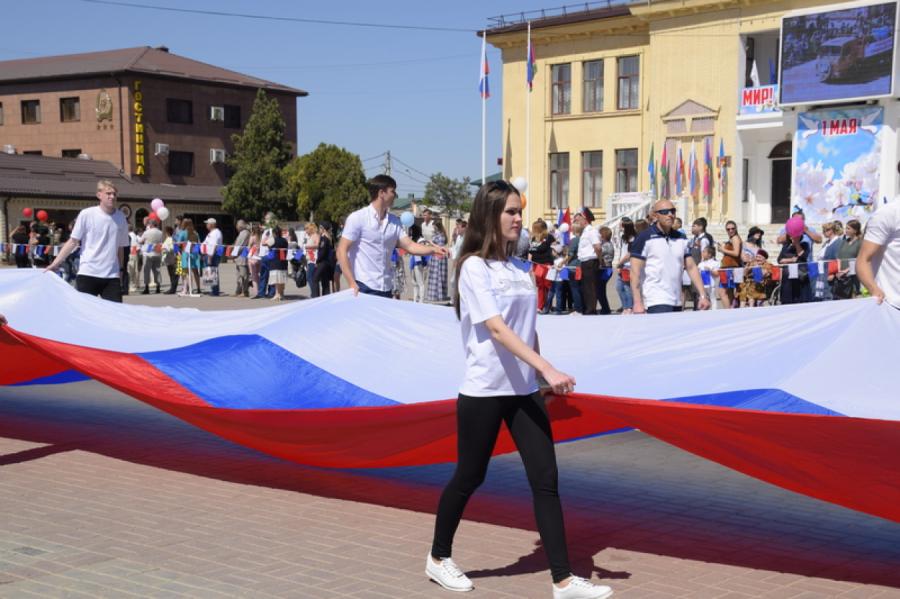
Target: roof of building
144,59
565,15
71,178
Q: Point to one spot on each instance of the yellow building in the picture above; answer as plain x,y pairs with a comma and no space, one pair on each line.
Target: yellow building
615,82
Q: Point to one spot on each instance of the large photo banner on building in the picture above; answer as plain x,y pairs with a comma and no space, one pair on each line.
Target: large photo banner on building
836,163
838,55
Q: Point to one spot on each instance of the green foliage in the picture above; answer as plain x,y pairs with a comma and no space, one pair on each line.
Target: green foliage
328,183
451,194
260,154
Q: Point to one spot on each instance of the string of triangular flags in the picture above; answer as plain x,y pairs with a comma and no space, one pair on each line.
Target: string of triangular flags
231,251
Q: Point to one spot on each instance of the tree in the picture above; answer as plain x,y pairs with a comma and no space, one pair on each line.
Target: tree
452,194
328,183
260,154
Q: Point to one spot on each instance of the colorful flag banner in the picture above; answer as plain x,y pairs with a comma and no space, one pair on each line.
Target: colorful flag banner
483,84
530,64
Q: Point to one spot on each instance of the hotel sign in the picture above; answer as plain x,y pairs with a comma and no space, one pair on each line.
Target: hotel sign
139,150
759,100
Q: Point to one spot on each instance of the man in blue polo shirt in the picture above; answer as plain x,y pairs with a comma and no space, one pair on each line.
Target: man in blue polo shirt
659,257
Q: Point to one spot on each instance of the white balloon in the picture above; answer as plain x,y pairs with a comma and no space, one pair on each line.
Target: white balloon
162,213
563,228
521,184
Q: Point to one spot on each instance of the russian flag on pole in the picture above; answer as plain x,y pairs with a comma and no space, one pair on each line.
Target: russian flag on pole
483,84
563,217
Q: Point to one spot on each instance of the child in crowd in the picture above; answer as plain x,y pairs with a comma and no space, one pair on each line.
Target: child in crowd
709,264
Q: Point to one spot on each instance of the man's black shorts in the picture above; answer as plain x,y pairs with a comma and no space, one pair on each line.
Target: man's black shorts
108,289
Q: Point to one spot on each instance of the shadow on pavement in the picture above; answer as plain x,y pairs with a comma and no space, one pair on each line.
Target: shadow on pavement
625,491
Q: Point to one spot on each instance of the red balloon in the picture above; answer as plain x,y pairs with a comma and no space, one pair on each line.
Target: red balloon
42,216
27,212
153,216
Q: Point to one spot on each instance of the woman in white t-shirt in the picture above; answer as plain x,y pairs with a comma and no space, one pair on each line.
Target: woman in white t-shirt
497,306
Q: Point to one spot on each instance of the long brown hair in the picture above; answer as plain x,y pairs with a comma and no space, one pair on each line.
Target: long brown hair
483,237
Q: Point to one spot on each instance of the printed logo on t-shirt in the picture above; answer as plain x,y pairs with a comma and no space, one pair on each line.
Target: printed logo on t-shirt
510,286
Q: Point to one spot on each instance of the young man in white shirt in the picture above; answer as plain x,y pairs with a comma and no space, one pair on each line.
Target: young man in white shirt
370,236
102,233
878,262
213,241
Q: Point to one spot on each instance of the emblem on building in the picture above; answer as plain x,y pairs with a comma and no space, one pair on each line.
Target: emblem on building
104,106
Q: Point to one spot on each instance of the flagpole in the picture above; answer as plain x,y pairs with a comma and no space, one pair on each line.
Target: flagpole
483,112
528,124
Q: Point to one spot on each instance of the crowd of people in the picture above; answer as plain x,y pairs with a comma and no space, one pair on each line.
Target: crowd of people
575,267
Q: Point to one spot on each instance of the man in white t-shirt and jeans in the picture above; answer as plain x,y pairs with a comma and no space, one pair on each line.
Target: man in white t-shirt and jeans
369,237
878,262
102,233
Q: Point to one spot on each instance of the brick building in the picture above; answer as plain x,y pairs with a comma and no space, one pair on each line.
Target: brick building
157,116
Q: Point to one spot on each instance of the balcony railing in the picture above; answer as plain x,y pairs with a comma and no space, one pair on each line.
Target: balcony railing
547,13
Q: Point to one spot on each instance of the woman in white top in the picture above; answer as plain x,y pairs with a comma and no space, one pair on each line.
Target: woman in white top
497,306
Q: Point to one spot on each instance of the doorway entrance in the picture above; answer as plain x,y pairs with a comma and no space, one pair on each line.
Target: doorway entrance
781,181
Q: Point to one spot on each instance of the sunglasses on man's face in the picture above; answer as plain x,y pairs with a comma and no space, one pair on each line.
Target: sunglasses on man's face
666,211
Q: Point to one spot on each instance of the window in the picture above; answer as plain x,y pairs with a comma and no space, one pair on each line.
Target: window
31,111
592,179
181,163
629,82
179,111
593,86
232,117
626,171
71,153
559,180
562,88
33,153
69,110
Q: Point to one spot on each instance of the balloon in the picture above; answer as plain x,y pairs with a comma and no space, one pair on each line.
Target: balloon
521,184
794,227
153,216
162,212
524,200
156,204
42,216
564,228
27,212
407,219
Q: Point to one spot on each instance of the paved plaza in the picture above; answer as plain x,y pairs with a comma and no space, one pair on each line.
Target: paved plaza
113,498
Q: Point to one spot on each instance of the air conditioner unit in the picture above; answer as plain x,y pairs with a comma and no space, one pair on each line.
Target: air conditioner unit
217,113
161,149
216,155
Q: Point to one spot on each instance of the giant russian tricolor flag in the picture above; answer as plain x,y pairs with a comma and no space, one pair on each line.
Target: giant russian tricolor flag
333,381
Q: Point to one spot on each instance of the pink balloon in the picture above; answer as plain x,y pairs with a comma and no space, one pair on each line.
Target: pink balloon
157,203
794,227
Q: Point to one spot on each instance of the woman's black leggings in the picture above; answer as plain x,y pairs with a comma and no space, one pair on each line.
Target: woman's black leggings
478,422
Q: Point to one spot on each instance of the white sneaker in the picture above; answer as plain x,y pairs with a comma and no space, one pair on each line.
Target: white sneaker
447,574
580,588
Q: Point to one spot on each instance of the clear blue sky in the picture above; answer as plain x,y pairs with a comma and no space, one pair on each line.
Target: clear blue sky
413,92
